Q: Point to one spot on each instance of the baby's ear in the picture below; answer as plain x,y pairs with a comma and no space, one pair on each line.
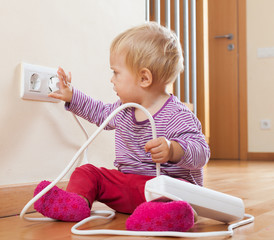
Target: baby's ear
145,77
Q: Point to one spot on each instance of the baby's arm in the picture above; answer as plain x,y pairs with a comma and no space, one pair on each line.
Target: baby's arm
82,105
163,150
188,148
65,92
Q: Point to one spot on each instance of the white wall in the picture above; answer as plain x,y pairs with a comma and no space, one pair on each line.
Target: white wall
38,139
260,34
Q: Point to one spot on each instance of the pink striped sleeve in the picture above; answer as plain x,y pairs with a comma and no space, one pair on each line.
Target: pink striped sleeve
183,129
92,110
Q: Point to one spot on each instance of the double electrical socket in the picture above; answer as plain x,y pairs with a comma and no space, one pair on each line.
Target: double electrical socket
37,82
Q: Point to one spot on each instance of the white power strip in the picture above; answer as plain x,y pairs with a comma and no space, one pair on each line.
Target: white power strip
206,202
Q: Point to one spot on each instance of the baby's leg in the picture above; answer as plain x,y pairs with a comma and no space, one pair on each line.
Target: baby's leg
61,205
121,192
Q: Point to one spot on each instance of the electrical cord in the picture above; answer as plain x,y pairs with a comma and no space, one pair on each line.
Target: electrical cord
111,214
229,232
85,160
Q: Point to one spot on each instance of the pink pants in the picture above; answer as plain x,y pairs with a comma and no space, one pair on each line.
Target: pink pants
121,192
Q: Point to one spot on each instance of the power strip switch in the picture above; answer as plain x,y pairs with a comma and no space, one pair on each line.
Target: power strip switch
37,82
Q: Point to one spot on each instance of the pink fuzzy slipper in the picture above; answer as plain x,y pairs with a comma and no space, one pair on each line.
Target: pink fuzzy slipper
61,205
161,216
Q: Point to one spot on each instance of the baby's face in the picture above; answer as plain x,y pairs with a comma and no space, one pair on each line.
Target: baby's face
125,82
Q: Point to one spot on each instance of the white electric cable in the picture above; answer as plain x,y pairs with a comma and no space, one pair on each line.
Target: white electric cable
86,134
79,152
229,232
111,214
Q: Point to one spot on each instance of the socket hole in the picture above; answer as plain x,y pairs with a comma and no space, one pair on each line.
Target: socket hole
35,82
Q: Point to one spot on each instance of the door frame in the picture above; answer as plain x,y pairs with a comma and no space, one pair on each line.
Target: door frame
243,140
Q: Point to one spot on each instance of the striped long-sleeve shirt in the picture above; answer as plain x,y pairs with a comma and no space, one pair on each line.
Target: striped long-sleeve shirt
174,121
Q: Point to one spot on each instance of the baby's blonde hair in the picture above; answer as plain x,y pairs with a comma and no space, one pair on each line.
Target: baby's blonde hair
153,47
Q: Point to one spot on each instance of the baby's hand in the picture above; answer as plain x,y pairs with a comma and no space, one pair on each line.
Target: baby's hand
65,92
160,149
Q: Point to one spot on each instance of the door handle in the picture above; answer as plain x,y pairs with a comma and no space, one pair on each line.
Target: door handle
228,36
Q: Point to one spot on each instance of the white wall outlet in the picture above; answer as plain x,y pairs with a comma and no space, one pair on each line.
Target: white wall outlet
265,124
37,82
265,52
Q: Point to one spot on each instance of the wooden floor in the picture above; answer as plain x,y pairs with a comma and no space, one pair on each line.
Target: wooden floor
251,181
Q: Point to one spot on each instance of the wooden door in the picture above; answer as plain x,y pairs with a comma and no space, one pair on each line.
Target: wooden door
223,79
224,115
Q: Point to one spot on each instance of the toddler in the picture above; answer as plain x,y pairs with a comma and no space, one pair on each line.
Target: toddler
144,59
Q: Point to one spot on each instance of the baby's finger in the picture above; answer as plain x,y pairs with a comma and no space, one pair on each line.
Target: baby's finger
61,71
157,156
69,77
154,143
67,80
56,95
155,149
61,81
61,74
64,78
150,144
